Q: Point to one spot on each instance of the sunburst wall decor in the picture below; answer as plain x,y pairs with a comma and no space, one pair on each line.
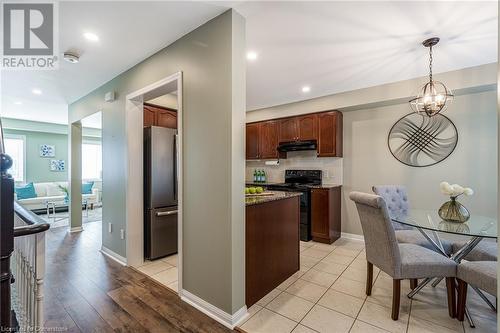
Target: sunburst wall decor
418,141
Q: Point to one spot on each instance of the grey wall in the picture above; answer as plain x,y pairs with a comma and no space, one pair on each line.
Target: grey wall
38,133
368,116
38,168
368,161
212,61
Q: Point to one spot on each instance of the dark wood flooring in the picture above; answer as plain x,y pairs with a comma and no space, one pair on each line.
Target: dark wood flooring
87,292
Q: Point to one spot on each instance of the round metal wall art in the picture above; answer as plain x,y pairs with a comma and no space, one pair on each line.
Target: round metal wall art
418,140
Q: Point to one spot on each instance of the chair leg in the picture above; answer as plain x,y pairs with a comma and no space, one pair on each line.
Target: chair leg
396,296
413,283
369,278
452,304
462,298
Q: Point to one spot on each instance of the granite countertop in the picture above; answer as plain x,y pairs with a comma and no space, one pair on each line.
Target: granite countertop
325,186
310,186
277,195
260,184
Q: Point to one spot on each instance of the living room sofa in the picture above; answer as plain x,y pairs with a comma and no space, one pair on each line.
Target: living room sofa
50,192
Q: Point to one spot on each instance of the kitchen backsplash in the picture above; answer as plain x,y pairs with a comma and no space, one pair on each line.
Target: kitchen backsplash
306,160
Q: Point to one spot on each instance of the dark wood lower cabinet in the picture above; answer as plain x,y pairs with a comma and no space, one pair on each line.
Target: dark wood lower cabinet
325,214
272,246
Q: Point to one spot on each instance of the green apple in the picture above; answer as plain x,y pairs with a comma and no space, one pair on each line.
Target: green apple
259,189
247,190
252,190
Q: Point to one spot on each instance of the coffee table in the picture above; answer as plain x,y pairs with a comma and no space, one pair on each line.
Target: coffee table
53,205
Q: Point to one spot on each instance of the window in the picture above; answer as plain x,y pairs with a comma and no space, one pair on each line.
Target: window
15,147
91,160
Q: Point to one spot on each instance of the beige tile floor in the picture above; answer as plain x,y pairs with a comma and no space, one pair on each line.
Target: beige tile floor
328,295
163,270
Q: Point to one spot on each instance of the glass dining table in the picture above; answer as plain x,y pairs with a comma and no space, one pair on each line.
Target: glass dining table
431,226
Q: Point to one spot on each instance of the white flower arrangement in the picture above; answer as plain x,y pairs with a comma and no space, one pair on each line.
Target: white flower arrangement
455,190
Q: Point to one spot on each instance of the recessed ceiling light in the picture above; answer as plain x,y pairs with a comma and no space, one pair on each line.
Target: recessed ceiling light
91,36
18,103
36,91
306,89
252,55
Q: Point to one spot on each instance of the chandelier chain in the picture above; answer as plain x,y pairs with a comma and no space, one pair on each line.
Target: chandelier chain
430,63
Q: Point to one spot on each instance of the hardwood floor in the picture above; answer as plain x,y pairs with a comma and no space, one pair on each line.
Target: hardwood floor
88,292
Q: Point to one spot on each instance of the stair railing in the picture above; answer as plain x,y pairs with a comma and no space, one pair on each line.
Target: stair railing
22,237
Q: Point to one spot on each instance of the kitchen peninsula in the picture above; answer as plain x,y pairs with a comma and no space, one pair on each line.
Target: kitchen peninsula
272,242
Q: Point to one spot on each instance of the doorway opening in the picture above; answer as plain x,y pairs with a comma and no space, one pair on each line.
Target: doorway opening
91,162
154,149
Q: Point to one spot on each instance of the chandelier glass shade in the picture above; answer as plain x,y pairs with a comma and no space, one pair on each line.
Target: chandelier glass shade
433,97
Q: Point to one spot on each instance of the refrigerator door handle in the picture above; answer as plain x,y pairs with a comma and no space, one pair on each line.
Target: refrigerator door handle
171,212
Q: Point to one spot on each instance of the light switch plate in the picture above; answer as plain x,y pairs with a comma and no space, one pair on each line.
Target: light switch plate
122,234
110,227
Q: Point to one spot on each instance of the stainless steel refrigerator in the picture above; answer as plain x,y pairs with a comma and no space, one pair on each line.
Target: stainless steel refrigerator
160,192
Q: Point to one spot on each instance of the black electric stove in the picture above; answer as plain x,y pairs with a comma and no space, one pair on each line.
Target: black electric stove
301,181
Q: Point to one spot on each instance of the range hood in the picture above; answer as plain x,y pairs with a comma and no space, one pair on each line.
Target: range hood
297,146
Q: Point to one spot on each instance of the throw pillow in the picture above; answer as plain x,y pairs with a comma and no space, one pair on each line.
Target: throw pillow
25,192
53,190
87,188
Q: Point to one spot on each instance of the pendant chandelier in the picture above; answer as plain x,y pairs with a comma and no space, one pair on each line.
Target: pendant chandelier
433,97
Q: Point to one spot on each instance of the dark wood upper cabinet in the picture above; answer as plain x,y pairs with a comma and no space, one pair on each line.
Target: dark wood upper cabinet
149,116
252,141
264,137
308,127
159,116
289,130
166,118
330,134
269,131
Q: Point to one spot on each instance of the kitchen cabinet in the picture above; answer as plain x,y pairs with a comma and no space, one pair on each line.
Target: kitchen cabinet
271,245
166,118
289,130
159,116
253,141
299,128
308,127
149,116
268,142
330,134
264,137
325,214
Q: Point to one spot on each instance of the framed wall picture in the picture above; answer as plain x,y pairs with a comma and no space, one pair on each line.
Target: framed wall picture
47,151
57,165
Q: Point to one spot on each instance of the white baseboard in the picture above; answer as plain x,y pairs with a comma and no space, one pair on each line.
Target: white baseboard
230,321
76,229
113,255
352,236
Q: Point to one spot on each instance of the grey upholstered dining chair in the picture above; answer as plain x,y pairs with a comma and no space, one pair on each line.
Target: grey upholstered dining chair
396,198
485,250
398,204
400,261
480,274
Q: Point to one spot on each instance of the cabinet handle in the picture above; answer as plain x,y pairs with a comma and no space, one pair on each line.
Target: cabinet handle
171,212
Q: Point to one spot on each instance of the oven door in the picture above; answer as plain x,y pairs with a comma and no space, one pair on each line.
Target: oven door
305,216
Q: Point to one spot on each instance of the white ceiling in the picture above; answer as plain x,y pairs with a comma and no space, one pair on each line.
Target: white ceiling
329,46
128,33
341,46
93,121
